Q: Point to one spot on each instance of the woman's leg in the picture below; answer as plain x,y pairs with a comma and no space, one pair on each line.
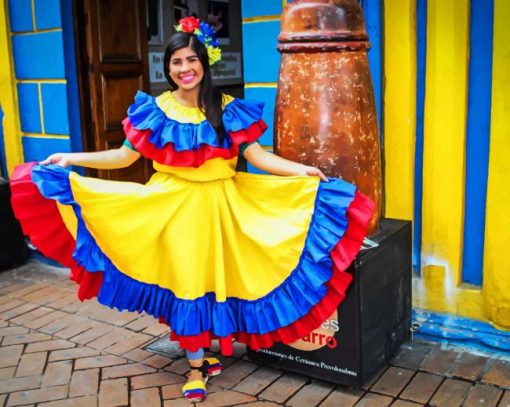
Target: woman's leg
195,359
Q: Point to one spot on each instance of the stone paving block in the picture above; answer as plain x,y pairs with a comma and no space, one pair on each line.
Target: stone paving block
233,374
63,302
57,373
25,338
90,335
181,366
37,395
45,346
113,393
20,383
84,383
137,355
376,376
19,310
469,367
498,374
3,324
440,362
32,315
135,341
27,290
13,330
258,381
342,396
226,398
374,400
176,403
505,400
130,369
46,319
111,338
98,361
483,395
140,323
283,388
156,329
9,355
412,354
155,379
422,387
405,403
261,404
31,364
60,324
76,329
6,306
312,394
3,397
74,353
157,361
145,397
87,401
392,381
7,373
115,317
451,393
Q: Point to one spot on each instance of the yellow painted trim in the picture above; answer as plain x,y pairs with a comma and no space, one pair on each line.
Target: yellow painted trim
496,267
34,23
41,108
444,140
48,30
42,81
44,135
433,290
9,95
251,85
399,106
261,19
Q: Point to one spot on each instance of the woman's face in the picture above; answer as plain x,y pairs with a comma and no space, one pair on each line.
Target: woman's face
186,69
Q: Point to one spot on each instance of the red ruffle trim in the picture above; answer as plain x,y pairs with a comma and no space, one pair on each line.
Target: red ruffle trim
190,158
40,220
359,214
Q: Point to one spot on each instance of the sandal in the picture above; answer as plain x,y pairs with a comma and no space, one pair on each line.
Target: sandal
195,391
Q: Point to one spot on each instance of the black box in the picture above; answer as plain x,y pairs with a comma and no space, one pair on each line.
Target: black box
373,320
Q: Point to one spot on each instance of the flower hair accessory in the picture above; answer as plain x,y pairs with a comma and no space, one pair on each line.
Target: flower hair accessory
204,33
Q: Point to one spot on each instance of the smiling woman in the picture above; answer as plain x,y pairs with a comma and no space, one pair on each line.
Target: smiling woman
211,252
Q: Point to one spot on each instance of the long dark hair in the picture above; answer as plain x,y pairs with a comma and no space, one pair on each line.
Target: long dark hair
210,99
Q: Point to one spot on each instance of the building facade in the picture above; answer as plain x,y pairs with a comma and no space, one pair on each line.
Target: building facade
440,72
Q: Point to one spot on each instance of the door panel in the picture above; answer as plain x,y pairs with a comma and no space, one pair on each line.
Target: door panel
116,59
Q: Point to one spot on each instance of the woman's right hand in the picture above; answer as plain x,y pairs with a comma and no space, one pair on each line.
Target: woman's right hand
61,159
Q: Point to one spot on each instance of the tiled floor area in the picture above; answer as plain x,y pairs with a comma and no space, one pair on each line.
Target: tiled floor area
56,352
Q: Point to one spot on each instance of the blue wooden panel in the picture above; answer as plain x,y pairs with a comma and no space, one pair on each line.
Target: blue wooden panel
477,137
29,109
55,111
261,59
268,96
250,8
47,14
20,15
37,149
71,76
372,10
39,55
421,55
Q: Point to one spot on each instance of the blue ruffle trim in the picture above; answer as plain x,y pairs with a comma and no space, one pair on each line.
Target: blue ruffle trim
145,114
304,288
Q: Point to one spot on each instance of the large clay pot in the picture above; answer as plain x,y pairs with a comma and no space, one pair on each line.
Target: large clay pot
325,109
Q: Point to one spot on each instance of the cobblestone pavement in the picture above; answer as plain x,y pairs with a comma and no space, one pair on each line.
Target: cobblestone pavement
56,351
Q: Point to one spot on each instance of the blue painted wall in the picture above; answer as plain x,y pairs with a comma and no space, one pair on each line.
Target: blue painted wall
45,70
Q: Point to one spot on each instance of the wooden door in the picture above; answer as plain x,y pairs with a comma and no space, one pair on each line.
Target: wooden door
115,36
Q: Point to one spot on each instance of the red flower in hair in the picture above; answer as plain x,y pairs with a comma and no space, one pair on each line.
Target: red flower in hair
189,24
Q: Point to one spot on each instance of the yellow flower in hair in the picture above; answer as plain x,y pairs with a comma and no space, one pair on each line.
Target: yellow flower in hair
214,54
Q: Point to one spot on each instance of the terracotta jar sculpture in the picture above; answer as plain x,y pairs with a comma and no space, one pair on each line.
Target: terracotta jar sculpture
325,109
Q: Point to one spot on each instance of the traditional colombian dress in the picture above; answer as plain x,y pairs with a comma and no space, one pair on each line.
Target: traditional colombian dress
212,252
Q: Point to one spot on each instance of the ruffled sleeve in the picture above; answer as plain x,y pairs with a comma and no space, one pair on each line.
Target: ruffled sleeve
157,136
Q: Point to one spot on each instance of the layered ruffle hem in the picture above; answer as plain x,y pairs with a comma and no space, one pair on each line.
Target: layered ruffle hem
309,295
166,141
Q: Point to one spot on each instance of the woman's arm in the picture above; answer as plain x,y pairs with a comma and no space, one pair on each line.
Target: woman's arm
102,160
274,164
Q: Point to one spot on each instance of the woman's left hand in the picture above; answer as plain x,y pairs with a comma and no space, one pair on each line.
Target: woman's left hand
313,172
